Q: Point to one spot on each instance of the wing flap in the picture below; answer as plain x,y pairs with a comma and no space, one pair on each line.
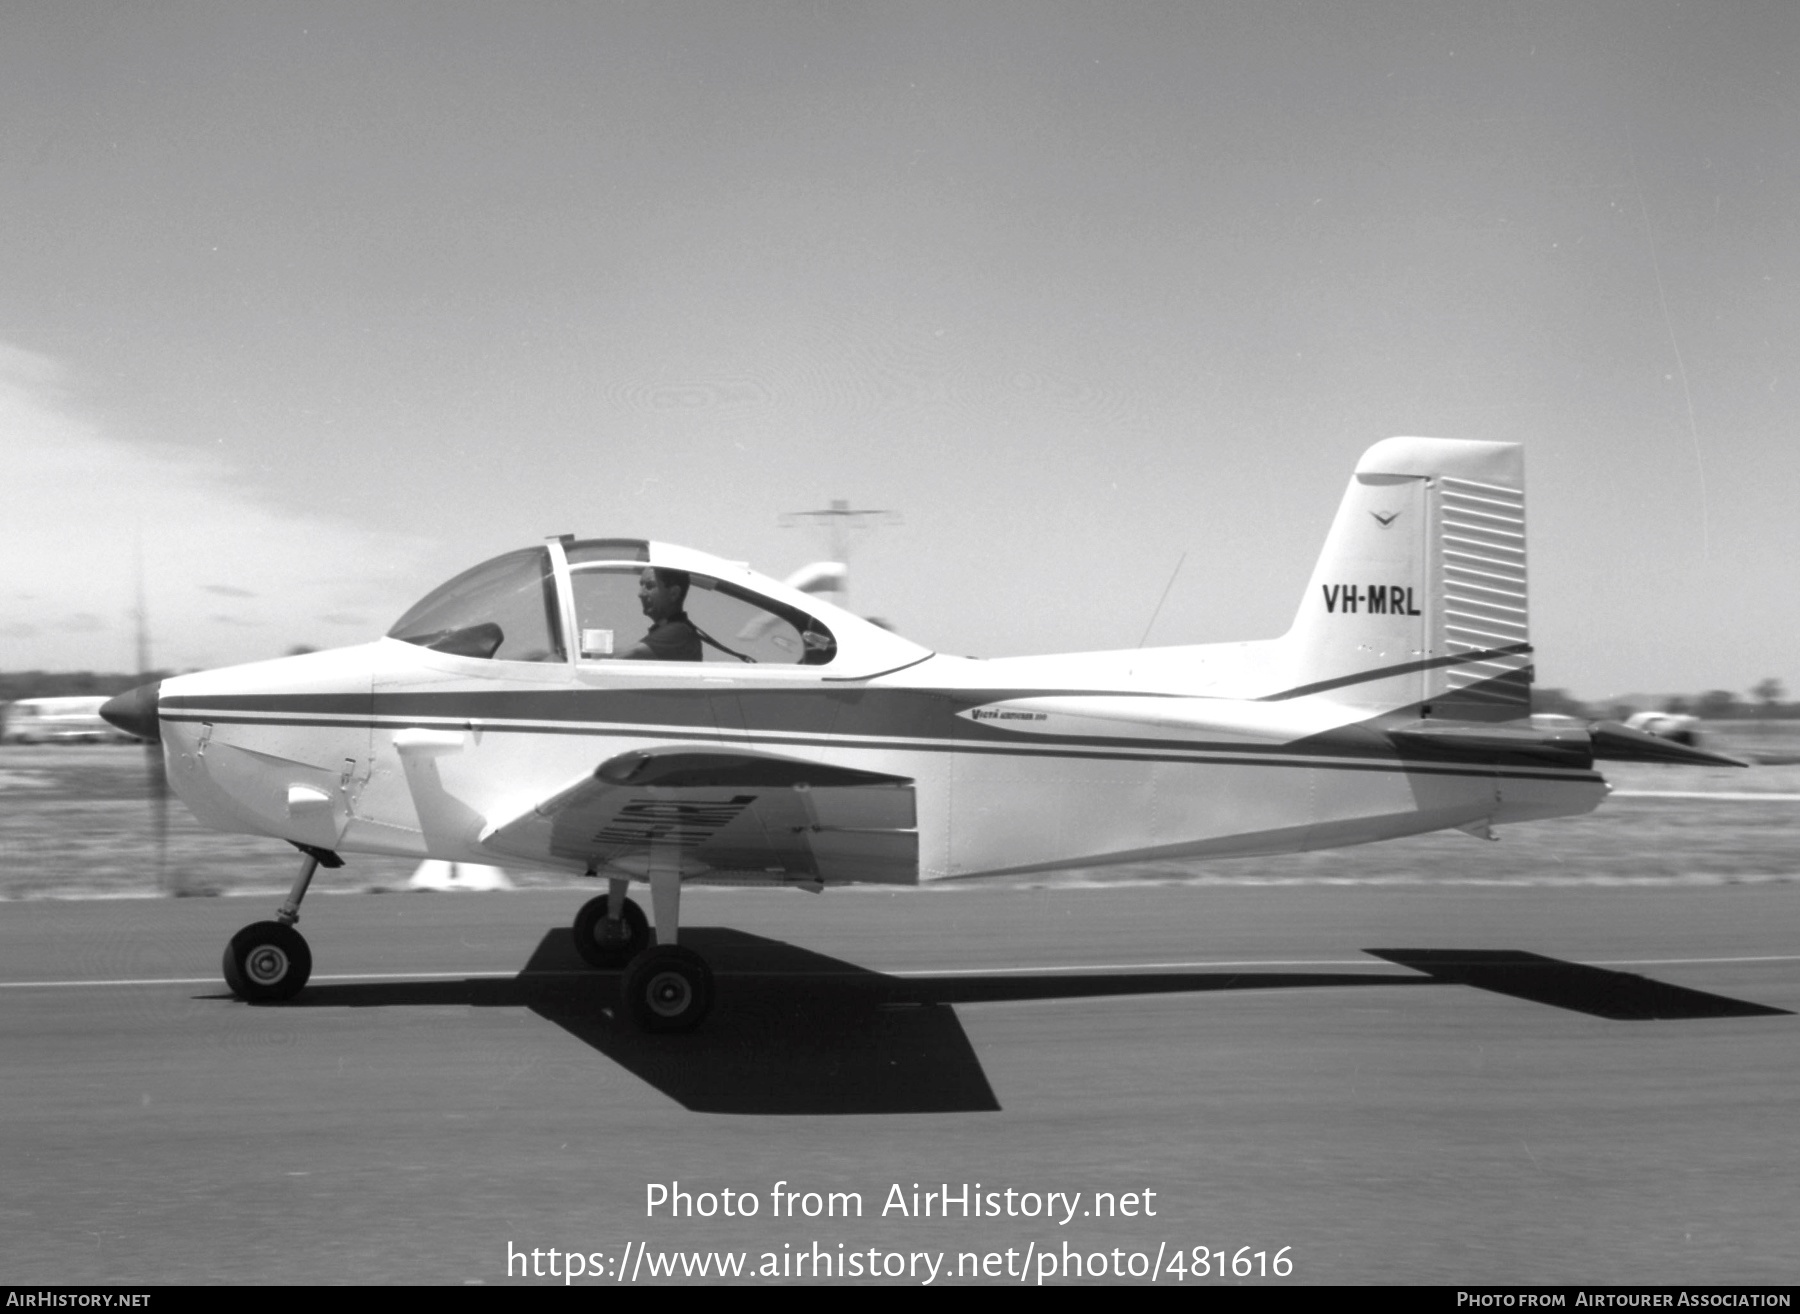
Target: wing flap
879,857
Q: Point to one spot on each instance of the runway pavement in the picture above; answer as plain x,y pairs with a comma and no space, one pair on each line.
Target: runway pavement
1415,1084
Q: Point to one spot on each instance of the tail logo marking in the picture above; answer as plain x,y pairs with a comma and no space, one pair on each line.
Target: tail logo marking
1385,521
1375,599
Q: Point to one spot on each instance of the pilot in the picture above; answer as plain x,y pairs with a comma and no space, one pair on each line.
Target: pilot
672,636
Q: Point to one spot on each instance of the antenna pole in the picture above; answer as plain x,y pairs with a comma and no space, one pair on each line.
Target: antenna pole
1163,599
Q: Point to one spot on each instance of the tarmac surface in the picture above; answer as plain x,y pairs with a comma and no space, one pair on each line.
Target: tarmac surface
1456,1084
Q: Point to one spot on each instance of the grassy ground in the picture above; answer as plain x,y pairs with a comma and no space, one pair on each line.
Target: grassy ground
75,822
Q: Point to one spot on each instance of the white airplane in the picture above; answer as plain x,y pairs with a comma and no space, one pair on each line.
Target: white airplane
74,720
1683,729
503,719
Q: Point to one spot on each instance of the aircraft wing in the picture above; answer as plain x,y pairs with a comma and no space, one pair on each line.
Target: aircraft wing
725,814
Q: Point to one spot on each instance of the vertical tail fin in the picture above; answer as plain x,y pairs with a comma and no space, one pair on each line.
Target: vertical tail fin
1418,598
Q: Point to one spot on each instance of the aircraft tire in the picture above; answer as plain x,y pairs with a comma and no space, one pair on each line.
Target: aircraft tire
606,953
667,989
267,962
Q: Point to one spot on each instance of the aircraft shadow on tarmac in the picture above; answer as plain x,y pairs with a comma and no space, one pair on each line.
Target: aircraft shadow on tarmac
1598,991
796,1032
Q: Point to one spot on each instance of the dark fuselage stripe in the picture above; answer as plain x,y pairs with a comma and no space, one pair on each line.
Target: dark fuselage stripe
1195,755
1403,668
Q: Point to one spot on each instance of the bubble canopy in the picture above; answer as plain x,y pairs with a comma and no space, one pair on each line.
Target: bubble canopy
504,609
585,602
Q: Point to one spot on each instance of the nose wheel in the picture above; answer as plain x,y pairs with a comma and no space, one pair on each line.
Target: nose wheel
267,963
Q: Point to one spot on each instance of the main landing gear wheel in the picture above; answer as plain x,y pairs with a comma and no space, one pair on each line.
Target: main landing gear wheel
607,944
267,963
667,988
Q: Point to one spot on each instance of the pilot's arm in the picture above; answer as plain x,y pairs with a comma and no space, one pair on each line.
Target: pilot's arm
668,641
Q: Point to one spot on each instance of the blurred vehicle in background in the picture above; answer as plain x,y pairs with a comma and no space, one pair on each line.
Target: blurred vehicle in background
59,721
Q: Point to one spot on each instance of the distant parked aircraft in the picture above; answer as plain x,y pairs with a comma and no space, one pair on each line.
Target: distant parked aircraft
1667,725
60,721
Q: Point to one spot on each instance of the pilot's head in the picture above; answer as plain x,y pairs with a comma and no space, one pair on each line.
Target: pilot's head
662,593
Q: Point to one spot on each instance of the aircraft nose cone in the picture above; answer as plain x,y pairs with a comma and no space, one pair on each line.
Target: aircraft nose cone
134,711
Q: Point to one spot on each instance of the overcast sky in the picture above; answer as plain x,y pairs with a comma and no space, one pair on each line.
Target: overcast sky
322,303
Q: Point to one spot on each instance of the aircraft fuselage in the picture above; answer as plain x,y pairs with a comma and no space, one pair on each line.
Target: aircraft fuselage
390,749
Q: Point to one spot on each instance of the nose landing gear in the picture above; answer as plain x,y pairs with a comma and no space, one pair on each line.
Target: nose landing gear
268,962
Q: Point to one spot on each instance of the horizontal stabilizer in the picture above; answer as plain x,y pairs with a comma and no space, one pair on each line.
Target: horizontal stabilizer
1505,742
1620,743
1571,745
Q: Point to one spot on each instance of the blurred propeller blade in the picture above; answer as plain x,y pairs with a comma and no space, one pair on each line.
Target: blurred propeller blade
138,712
157,783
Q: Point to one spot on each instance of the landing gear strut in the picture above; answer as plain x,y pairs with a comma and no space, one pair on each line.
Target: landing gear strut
665,987
612,930
268,962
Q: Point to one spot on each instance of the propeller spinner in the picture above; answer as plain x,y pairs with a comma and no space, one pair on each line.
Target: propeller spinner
135,712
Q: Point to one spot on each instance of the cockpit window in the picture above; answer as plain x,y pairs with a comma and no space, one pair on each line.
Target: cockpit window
503,609
732,624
